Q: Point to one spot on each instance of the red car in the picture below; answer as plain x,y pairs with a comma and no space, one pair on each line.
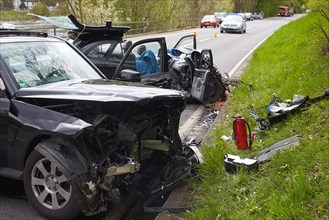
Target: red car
209,20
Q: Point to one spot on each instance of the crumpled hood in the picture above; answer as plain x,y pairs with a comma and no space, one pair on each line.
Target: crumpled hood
101,90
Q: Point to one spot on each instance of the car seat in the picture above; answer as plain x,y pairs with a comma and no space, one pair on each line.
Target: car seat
126,45
141,49
147,62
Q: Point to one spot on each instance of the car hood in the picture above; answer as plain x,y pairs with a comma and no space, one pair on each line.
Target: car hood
100,90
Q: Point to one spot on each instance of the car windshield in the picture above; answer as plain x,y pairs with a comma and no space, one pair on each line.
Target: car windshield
233,18
220,14
38,63
209,17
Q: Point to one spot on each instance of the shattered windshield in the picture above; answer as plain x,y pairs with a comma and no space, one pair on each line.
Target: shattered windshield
39,63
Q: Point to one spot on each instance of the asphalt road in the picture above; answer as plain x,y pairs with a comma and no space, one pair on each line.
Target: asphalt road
229,50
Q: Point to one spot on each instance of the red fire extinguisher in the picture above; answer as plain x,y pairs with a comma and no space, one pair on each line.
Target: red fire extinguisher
242,135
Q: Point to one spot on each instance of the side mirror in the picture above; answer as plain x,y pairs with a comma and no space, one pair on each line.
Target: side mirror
130,75
206,60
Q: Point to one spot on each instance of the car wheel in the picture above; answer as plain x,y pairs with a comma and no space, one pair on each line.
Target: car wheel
49,191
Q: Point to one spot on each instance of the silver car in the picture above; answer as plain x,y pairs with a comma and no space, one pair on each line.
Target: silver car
233,23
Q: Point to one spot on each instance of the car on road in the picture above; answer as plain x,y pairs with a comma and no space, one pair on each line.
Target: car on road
243,15
258,16
249,16
233,23
73,136
210,21
220,16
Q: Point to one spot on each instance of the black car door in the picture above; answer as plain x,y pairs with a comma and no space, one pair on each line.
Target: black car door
4,119
203,85
106,55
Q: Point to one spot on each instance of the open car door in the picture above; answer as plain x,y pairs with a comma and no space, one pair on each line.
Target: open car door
144,60
188,42
204,79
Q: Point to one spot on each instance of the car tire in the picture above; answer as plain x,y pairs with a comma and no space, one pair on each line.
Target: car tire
221,31
49,191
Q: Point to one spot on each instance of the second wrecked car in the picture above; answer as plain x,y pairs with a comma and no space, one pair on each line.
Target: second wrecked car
148,61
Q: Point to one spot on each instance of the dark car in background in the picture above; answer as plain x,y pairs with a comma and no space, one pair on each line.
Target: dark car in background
234,23
210,21
72,135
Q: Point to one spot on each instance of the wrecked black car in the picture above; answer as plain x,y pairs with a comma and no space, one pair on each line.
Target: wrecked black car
147,61
73,136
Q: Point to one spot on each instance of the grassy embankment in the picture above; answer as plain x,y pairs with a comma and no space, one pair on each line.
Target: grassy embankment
295,183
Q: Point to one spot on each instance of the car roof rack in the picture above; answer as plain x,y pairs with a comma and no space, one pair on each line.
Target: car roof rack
17,32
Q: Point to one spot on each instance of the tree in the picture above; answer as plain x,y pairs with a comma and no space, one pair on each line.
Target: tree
322,6
6,5
40,9
245,6
89,11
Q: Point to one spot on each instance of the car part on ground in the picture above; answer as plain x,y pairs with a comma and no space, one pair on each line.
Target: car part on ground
278,110
266,154
233,163
73,136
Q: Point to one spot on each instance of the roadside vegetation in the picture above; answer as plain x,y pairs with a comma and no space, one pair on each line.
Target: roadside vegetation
177,13
295,183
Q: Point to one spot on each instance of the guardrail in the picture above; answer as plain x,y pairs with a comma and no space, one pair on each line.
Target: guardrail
140,27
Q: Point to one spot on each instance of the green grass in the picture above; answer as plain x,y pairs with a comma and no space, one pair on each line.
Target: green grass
295,183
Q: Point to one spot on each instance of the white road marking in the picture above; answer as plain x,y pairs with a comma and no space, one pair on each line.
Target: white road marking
246,56
204,39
